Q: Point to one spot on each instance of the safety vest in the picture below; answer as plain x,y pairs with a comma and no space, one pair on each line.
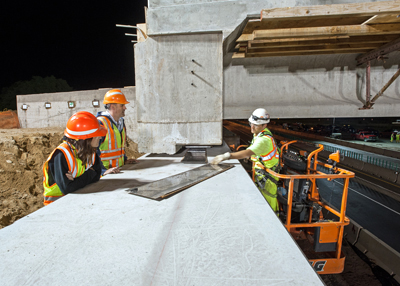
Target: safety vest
75,166
269,159
112,150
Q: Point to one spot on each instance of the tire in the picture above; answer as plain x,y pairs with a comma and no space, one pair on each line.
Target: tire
294,162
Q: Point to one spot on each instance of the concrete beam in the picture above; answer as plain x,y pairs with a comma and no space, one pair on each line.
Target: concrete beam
179,92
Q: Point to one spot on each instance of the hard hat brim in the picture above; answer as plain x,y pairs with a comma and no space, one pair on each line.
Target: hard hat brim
100,132
252,121
123,102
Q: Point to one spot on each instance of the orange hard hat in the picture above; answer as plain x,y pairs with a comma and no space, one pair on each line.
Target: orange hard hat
84,125
115,96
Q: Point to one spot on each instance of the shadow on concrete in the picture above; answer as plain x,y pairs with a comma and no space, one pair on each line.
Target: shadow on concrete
145,164
112,185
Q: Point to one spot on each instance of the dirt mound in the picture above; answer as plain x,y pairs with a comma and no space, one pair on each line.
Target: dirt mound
9,119
23,152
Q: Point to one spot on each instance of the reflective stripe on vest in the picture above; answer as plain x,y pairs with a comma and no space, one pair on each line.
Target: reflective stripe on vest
112,150
53,192
267,158
273,154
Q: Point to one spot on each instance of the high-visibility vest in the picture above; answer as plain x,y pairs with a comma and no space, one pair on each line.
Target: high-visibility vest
269,159
75,166
112,150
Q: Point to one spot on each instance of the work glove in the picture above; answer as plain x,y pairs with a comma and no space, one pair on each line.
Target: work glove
218,159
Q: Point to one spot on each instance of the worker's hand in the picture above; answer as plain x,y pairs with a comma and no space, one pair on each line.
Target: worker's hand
69,176
114,170
131,161
218,159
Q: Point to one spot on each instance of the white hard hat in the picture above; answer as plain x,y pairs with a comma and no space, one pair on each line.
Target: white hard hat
259,116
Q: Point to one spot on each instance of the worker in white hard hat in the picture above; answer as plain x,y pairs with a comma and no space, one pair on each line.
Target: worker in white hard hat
112,145
264,153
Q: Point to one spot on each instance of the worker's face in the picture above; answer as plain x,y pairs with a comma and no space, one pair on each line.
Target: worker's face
95,142
255,129
118,110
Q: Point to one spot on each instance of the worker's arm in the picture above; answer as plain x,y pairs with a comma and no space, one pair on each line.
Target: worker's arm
59,168
235,155
103,169
242,154
97,168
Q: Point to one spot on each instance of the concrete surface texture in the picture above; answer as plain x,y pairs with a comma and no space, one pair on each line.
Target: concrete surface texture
214,15
220,231
308,87
179,92
37,115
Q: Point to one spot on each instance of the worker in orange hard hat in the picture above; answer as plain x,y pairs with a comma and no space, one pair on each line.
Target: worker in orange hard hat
264,152
112,145
74,163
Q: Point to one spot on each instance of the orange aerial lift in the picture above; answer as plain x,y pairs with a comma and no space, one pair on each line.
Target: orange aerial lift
304,214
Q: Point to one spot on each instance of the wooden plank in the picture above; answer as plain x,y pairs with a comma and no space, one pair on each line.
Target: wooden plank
282,43
252,25
329,48
297,39
303,53
380,29
142,33
359,9
317,21
245,38
385,18
238,55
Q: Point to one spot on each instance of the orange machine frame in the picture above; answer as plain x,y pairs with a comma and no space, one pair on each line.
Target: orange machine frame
332,230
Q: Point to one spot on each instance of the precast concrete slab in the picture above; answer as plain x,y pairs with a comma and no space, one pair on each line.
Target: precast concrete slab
220,231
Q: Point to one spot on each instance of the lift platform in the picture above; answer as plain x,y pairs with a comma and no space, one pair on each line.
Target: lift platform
304,213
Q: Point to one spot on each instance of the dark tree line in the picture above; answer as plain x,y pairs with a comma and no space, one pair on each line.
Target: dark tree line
38,84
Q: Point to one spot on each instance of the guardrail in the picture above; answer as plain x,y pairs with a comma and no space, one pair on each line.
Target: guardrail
375,249
347,153
383,163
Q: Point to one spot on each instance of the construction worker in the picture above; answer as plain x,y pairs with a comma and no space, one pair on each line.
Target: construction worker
397,137
264,153
74,163
392,137
112,146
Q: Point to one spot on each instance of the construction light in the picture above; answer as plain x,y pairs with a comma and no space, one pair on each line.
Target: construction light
24,107
71,104
96,103
47,105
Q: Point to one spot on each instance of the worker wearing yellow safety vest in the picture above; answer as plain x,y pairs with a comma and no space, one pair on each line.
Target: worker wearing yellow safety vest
112,146
74,163
264,153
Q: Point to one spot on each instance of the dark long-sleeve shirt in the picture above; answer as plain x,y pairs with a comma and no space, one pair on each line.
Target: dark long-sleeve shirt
58,167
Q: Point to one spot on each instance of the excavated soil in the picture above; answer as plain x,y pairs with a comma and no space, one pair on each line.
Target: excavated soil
22,154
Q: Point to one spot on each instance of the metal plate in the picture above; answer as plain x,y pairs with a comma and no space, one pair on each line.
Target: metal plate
195,155
171,185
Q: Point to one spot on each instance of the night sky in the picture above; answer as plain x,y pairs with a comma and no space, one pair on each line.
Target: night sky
72,40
